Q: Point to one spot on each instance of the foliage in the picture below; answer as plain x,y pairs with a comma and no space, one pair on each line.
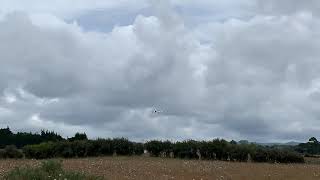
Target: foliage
11,151
7,137
50,145
40,151
156,147
313,139
85,148
79,137
277,155
312,147
222,150
49,170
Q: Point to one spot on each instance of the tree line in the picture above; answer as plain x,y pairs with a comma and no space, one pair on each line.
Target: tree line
310,148
20,139
51,145
219,149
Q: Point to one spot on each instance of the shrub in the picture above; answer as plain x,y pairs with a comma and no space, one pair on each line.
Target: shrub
138,148
186,149
40,151
47,170
122,146
277,155
215,149
63,149
2,154
106,146
51,167
102,147
155,147
80,148
11,151
261,155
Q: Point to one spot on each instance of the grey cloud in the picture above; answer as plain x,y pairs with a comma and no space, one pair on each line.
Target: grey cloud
287,6
91,91
250,78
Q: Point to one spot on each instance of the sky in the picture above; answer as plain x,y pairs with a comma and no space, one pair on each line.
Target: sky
245,69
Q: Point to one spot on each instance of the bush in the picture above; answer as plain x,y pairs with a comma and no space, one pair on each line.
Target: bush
215,149
156,147
277,155
223,150
63,149
100,147
47,170
261,155
11,151
80,148
86,148
186,149
106,147
3,154
138,148
122,146
40,151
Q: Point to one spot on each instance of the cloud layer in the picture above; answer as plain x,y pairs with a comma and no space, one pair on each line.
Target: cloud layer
251,72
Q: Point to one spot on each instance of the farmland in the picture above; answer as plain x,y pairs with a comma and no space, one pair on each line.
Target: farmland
158,168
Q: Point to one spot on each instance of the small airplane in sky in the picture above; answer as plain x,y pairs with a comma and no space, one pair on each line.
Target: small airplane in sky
157,111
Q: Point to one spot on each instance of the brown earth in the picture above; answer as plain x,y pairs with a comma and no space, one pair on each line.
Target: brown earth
119,168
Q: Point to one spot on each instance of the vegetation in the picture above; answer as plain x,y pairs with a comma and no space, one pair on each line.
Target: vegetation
157,168
79,137
7,137
84,148
310,148
223,150
48,170
51,145
11,151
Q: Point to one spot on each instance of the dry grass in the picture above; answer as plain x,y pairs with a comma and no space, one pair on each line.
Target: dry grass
156,168
7,165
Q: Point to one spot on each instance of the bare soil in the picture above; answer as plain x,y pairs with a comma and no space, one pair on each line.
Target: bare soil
118,168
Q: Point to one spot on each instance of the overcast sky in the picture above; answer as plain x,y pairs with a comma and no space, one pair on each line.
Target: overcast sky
245,69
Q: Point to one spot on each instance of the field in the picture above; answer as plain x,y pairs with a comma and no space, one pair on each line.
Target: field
156,168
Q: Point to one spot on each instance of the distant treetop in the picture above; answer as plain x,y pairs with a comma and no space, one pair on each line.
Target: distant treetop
313,140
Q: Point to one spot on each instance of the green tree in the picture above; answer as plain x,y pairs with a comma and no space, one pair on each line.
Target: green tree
79,137
313,140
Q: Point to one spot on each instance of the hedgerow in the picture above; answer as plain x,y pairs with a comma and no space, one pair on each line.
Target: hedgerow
53,145
85,148
222,150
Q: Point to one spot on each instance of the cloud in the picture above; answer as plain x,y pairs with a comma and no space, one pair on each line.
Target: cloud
94,81
287,6
241,78
63,8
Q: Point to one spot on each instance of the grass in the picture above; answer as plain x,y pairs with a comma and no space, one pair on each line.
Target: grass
49,170
171,169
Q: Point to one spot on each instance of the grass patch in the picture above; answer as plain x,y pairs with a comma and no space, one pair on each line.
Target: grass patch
49,170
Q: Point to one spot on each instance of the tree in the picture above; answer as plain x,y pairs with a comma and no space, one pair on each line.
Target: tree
313,140
79,137
243,142
50,136
20,139
5,132
233,142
